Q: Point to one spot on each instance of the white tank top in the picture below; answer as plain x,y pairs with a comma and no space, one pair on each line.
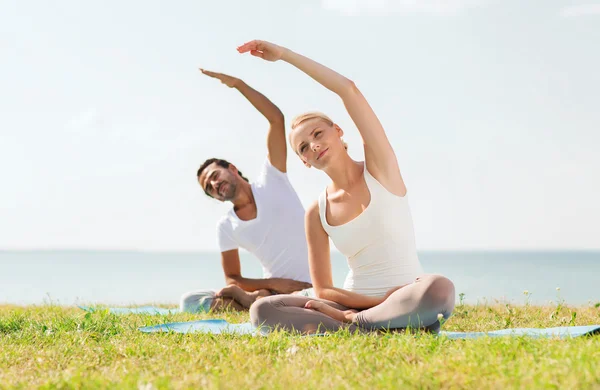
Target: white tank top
379,244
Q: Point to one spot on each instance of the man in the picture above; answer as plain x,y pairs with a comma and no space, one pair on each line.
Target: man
267,219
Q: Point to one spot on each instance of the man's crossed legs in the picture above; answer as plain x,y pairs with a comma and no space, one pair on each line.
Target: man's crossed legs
231,297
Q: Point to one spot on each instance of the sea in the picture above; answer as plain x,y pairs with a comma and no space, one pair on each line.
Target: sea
135,278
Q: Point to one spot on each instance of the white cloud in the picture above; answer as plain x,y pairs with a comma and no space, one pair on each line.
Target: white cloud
580,10
85,120
402,6
354,6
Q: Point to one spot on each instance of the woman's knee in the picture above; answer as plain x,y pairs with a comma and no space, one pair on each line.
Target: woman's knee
264,309
440,291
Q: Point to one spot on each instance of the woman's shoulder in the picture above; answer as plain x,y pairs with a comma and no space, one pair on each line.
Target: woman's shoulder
312,210
313,213
312,220
388,177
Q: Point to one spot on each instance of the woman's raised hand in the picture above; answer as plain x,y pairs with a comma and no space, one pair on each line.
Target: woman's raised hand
266,50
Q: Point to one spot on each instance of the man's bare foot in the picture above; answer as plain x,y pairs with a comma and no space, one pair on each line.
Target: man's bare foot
244,298
260,294
340,315
236,293
222,303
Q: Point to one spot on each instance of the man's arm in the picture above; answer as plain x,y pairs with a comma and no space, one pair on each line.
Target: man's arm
276,144
232,269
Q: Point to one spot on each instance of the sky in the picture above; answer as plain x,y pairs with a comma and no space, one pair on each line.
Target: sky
492,107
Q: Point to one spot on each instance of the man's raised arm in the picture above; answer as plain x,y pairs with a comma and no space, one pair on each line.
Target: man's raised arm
276,144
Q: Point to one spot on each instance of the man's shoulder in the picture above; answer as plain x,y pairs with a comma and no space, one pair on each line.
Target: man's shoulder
225,221
267,173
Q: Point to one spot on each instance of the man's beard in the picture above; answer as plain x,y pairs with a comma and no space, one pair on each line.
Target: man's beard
230,193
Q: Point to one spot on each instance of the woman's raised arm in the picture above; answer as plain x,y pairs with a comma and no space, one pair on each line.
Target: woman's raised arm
379,154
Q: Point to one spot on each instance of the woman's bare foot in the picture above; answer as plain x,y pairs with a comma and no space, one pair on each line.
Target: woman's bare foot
340,315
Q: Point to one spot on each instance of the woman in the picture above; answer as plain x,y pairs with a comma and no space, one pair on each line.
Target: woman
365,213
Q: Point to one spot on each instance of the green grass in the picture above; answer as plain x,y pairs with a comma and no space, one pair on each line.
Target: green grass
61,347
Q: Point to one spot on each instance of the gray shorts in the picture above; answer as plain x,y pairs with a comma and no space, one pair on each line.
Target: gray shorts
307,292
198,301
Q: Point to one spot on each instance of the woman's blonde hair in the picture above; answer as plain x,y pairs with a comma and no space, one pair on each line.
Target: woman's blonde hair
308,116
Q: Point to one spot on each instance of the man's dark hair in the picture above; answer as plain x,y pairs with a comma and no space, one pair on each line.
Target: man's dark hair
221,163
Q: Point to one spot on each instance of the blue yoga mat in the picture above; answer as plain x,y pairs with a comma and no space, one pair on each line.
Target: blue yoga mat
151,310
560,332
222,326
202,326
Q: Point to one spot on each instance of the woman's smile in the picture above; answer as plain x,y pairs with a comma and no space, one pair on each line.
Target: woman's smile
322,154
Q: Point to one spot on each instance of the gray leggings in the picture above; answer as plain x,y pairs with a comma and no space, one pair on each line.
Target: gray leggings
416,305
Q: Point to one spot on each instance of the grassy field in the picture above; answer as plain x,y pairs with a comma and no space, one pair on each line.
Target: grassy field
62,347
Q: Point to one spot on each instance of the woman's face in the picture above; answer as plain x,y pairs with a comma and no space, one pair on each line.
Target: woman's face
316,142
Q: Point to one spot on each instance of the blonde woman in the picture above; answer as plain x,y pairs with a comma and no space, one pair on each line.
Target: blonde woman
365,212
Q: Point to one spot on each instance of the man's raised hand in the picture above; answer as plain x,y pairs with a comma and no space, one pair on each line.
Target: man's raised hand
229,81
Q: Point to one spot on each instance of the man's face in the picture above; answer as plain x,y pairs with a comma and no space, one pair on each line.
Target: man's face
219,182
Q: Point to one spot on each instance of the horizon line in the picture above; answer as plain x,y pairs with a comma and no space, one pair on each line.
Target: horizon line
213,251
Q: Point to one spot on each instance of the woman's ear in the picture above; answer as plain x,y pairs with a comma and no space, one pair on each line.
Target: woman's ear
339,130
306,164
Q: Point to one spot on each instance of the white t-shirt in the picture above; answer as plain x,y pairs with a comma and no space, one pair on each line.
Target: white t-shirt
276,236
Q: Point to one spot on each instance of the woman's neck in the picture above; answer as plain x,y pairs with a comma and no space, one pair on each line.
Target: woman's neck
345,173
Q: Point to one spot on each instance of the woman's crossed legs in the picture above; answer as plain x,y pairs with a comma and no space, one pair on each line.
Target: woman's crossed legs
416,305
